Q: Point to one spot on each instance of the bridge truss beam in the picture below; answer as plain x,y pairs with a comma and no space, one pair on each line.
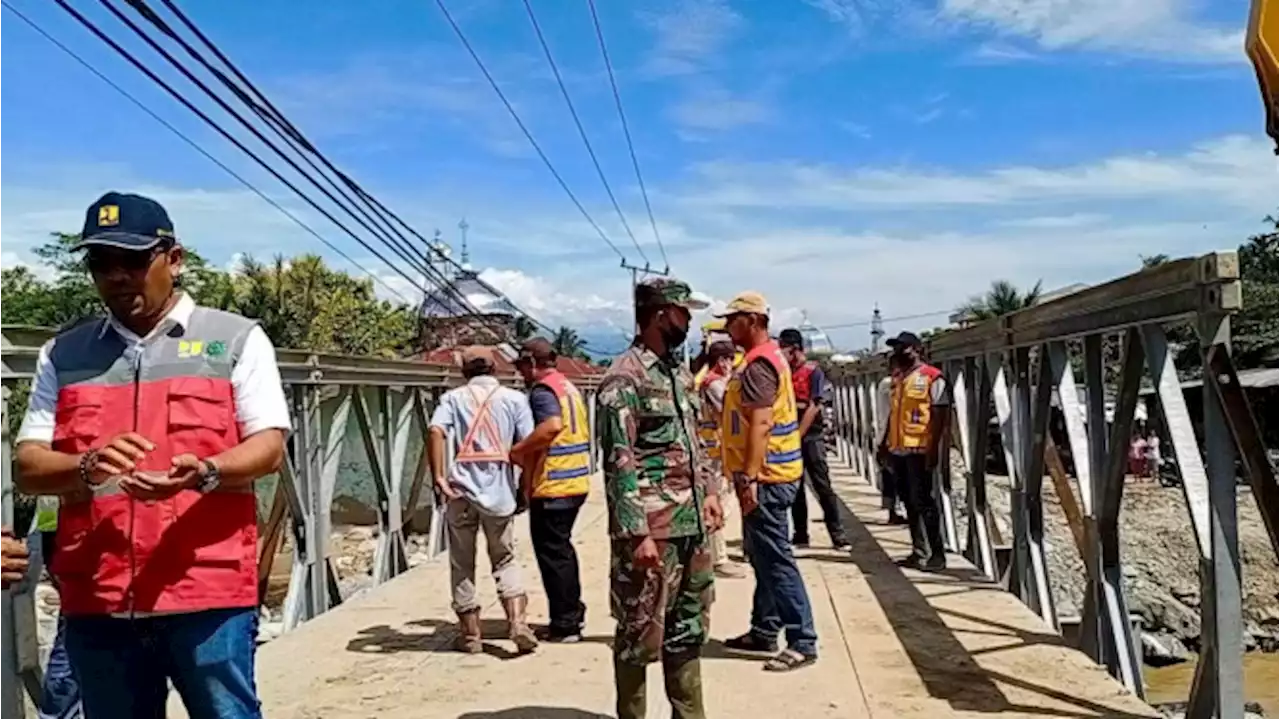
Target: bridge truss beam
1013,368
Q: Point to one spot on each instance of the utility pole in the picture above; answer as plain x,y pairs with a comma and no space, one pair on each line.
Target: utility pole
465,257
638,273
877,329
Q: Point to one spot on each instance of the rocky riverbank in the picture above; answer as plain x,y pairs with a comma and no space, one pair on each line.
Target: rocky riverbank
1160,560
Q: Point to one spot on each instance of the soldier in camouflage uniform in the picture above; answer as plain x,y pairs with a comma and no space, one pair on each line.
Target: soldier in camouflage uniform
660,514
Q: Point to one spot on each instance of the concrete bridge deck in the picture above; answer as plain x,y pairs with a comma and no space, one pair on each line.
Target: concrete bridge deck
893,644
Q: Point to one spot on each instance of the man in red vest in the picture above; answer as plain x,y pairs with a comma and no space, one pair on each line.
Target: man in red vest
151,424
14,554
812,392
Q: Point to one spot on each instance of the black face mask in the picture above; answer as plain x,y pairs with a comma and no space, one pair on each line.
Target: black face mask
673,336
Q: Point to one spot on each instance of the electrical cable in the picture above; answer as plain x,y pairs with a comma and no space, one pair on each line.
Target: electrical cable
525,130
207,155
577,121
382,236
267,111
626,131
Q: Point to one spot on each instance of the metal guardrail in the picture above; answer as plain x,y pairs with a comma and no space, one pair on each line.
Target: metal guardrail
1014,366
387,399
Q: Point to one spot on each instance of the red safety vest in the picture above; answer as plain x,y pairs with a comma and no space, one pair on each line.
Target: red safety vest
801,381
190,552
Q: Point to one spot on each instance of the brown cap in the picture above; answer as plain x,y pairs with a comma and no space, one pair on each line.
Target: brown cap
538,350
720,350
746,303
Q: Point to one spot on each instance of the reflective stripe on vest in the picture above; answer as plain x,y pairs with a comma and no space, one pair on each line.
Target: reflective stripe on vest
565,470
483,442
910,405
190,552
783,461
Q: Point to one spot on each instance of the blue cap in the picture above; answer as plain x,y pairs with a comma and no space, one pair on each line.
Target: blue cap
130,222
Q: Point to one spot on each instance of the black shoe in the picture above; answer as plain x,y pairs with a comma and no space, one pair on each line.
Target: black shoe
800,542
752,643
896,519
841,544
936,563
911,562
560,636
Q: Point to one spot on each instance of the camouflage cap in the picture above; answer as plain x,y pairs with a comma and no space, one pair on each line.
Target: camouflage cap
664,291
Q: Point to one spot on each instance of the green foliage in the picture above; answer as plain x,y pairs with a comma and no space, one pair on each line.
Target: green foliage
567,343
1002,298
301,303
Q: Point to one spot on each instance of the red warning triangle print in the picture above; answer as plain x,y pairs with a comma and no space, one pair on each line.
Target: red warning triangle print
483,442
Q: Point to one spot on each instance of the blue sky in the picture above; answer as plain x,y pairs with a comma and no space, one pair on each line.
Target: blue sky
833,154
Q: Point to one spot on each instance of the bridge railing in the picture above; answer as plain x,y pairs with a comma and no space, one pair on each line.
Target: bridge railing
1016,366
387,401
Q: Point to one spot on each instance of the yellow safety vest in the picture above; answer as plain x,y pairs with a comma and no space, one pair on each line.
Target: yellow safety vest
782,462
910,405
708,423
565,470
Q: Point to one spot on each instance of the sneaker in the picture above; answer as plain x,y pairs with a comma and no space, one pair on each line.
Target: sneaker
800,542
911,561
841,544
751,643
560,636
729,570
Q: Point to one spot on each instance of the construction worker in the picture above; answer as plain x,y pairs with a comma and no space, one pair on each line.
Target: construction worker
151,425
14,554
556,462
917,427
813,393
762,453
661,511
486,420
715,381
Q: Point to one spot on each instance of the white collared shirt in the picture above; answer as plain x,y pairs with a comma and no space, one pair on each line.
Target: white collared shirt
255,379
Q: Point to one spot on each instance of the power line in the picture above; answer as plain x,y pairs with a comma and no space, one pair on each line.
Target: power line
525,130
385,238
266,110
617,100
192,143
900,318
89,25
564,91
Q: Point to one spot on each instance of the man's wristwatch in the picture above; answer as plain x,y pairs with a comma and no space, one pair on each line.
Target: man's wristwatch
210,477
88,461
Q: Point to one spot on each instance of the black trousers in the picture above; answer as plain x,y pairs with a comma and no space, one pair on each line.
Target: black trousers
814,453
889,494
924,514
551,528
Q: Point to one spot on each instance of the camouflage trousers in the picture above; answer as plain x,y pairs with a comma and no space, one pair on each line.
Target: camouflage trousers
665,610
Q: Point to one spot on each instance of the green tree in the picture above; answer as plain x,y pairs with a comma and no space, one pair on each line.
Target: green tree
1002,298
567,343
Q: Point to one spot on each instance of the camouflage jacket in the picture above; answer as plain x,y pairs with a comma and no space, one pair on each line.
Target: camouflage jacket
655,471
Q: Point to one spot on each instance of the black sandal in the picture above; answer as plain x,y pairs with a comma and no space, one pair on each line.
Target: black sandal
789,660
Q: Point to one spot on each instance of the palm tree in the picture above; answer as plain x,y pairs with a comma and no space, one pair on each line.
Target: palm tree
1001,299
567,343
525,328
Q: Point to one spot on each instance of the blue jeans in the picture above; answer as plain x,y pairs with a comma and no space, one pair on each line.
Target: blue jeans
60,694
124,664
781,600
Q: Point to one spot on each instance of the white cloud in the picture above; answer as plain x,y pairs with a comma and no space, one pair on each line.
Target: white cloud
713,108
688,34
856,129
832,241
1230,170
1158,28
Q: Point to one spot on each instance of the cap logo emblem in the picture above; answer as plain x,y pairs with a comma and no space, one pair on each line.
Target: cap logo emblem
108,216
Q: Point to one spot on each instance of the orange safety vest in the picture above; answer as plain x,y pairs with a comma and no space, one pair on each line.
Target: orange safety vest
910,406
565,469
783,462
